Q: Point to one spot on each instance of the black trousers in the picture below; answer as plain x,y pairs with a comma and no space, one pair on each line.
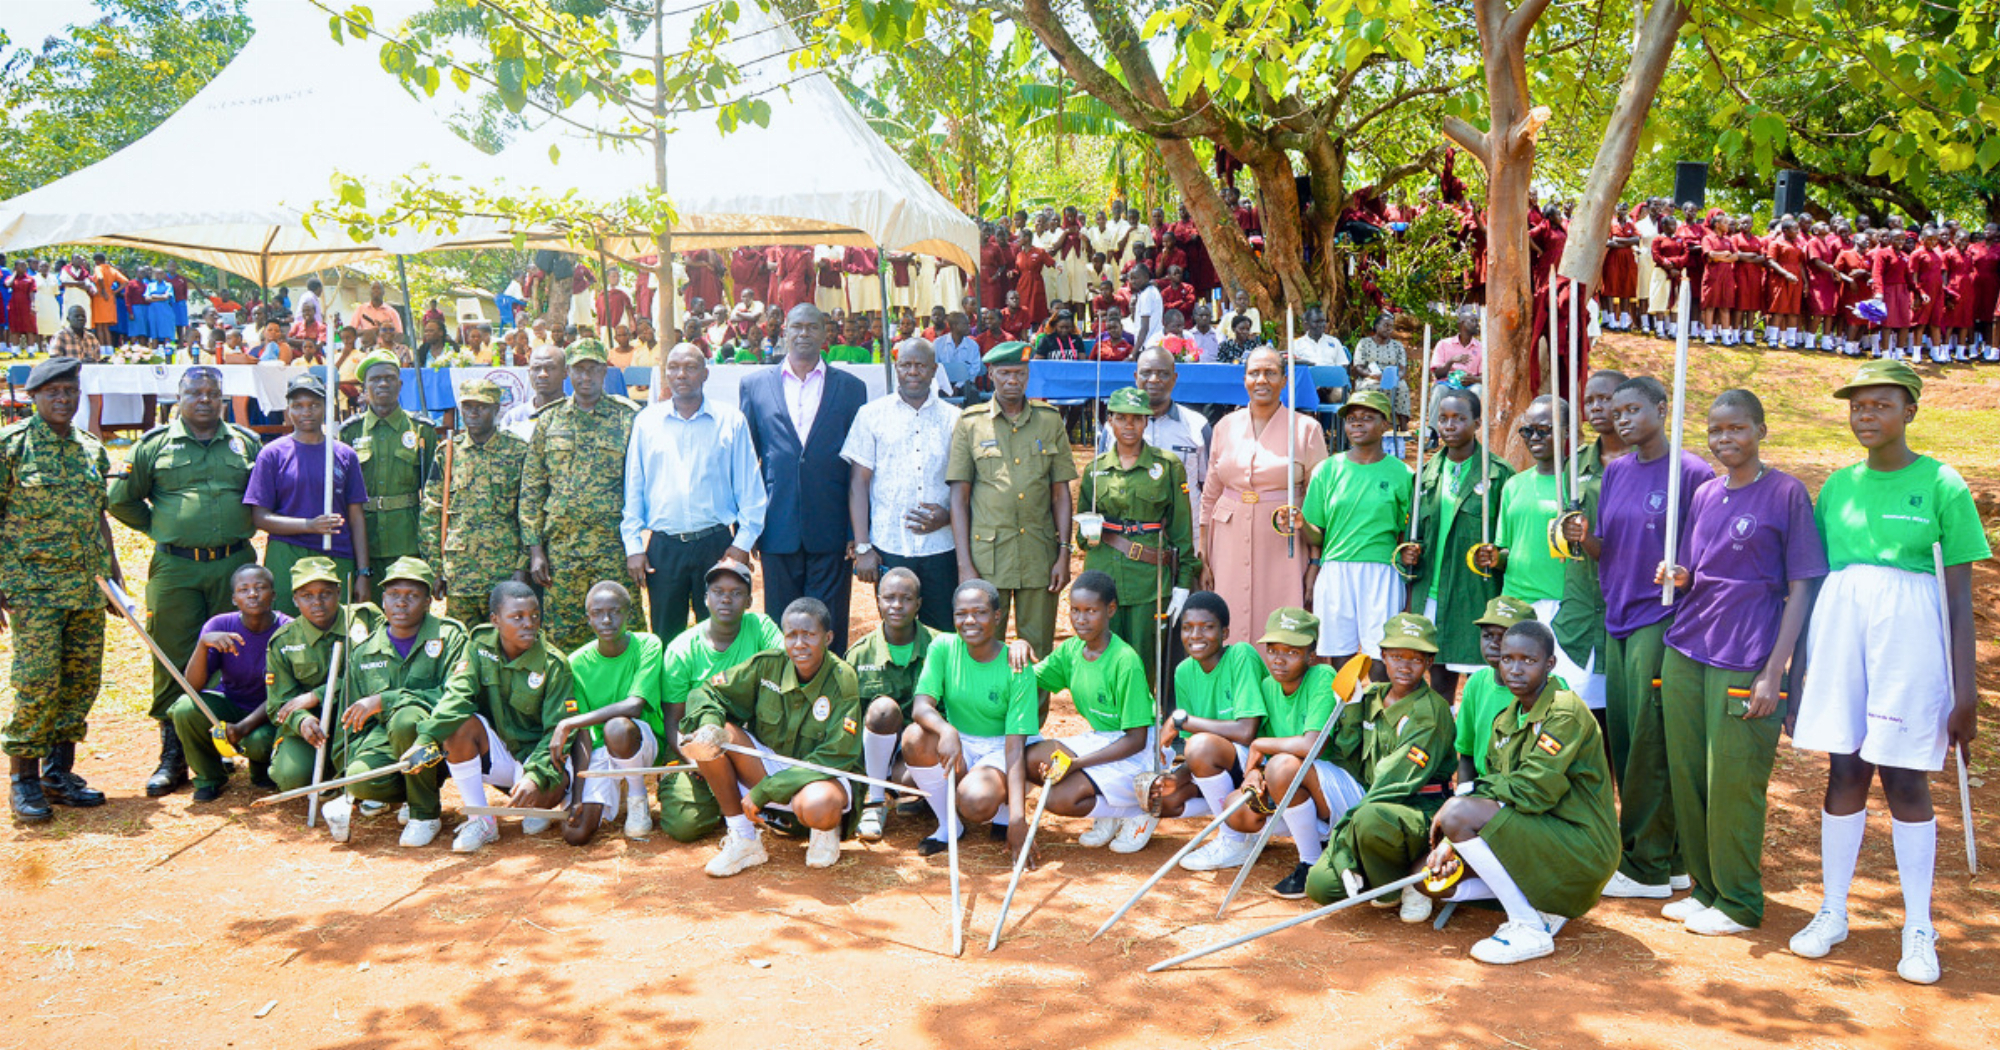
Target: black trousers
677,588
937,576
826,575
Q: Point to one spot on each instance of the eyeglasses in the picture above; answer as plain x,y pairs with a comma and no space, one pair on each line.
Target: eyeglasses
1531,433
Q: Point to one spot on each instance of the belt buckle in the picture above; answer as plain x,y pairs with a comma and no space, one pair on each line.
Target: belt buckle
1134,550
1247,497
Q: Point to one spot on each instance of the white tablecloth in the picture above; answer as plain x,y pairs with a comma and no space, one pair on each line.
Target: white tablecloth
121,386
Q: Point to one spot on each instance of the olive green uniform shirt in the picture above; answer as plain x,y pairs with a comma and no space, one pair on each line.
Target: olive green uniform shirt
299,656
188,493
1579,622
879,673
52,504
1011,462
1462,594
396,452
522,699
1557,829
817,720
1149,503
417,680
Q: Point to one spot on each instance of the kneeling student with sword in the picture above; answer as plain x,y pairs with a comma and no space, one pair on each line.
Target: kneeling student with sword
304,681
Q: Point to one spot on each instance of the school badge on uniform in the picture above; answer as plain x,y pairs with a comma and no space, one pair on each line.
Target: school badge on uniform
822,709
535,679
1156,471
236,444
434,647
409,439
358,632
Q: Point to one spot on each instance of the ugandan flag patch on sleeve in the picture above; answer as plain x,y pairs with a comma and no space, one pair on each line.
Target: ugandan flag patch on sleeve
848,724
569,706
1549,744
1419,757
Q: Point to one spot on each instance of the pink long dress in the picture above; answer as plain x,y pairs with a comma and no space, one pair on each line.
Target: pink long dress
1246,482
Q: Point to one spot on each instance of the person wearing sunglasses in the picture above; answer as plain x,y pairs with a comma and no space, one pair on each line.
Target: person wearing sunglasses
1531,501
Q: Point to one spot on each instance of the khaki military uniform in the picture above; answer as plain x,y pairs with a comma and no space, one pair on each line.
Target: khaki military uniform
484,544
880,675
1011,462
572,499
396,452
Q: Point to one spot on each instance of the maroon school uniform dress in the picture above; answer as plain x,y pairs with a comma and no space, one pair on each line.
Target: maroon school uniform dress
1029,262
1620,276
1985,281
994,270
1718,279
791,271
1750,274
1785,296
704,277
1889,269
747,269
1927,277
1822,288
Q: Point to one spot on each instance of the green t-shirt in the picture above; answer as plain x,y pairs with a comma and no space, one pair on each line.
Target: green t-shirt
1225,694
1527,504
1871,517
979,699
850,354
1483,699
690,660
1304,711
1109,692
602,681
1362,508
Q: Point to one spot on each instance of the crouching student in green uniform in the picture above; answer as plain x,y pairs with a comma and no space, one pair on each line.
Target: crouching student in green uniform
802,702
230,652
1217,692
974,719
618,702
1484,697
1146,544
887,664
731,635
500,706
1539,828
1404,754
297,662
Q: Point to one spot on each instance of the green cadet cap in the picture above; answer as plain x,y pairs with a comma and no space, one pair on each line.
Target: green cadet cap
1410,631
1130,401
415,570
377,357
1884,372
587,350
1015,353
485,390
316,569
1505,611
1374,399
1291,626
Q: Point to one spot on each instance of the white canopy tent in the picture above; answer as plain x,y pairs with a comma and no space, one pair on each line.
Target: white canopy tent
226,179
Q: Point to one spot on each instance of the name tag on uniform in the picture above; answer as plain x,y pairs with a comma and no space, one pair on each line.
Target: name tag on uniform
990,443
772,686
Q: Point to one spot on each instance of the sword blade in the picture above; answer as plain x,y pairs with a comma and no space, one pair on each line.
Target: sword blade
641,771
516,811
1316,913
1192,844
373,774
801,763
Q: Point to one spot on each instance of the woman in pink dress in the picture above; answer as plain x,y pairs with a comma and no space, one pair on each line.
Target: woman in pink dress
1243,557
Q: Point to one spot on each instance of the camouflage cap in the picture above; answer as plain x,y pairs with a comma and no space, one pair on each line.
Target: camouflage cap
485,390
587,350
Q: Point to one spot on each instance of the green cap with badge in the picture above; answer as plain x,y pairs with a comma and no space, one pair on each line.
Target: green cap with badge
1374,399
1506,611
377,358
316,569
1130,401
587,350
415,570
1014,353
484,390
1291,625
1410,631
1883,372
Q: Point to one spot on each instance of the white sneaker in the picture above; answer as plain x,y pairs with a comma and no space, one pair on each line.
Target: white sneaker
403,815
1415,906
737,854
638,819
1514,942
1222,852
1680,883
536,825
1622,885
1552,922
1826,929
1713,922
1682,910
874,818
1101,831
420,833
1133,834
1920,962
822,848
475,834
339,816
370,808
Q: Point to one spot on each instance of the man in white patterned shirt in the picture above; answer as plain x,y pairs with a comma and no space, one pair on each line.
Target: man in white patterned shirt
898,500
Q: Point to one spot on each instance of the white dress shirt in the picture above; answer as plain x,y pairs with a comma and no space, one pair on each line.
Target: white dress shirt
906,449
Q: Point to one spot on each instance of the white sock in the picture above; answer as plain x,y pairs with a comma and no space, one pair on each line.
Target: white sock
1303,822
1215,790
1771,334
1479,855
1916,865
1102,809
470,780
1839,850
877,749
932,780
740,826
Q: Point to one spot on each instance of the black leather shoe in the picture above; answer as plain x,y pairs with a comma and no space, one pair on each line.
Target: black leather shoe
932,847
172,773
260,775
210,792
60,784
26,798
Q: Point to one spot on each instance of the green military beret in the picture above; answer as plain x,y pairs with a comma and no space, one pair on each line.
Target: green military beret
587,350
1505,611
1410,631
485,390
378,357
1015,353
1291,626
1374,399
415,570
1883,372
1130,401
316,569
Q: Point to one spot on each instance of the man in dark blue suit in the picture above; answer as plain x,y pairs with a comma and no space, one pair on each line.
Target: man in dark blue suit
799,413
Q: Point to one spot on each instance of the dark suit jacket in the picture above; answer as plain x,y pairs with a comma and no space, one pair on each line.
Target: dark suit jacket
808,485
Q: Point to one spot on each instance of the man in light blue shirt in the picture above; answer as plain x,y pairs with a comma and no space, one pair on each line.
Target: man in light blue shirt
692,483
956,345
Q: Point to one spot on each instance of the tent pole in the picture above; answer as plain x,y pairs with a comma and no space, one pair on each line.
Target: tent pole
410,322
888,359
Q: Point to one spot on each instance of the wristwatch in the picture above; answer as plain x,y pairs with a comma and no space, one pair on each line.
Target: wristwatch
1179,718
364,572
863,548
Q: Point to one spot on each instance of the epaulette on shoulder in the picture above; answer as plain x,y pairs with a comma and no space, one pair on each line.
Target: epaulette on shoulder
153,433
621,399
353,420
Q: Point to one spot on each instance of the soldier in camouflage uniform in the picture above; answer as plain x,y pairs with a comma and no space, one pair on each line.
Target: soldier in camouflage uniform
396,452
573,495
484,545
54,539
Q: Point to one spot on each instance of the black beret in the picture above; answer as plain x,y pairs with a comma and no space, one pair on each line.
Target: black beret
52,370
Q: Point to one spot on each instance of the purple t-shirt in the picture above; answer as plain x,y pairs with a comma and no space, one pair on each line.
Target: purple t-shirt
241,673
1745,547
404,645
1631,525
290,479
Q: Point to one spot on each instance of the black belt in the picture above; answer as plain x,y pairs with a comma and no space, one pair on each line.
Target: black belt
204,553
693,537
